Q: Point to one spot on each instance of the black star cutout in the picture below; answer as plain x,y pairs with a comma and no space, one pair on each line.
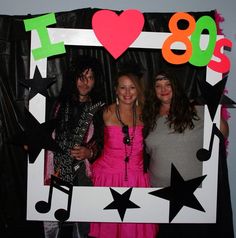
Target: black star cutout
227,102
121,202
38,84
180,193
213,94
36,136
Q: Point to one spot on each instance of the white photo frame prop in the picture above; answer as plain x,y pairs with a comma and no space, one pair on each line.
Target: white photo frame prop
88,203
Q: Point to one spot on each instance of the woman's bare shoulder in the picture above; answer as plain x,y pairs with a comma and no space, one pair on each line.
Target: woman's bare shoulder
108,113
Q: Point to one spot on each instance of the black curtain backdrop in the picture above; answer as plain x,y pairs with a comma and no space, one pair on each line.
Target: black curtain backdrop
14,66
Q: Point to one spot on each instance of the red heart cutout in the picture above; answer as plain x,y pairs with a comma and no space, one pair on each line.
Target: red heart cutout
117,32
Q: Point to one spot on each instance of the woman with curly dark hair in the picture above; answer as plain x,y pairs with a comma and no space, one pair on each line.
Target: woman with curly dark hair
173,131
173,103
171,122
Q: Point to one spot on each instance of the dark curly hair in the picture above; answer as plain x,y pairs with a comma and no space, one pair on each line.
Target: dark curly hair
182,112
79,65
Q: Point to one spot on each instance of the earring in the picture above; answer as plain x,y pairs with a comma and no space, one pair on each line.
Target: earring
117,101
136,102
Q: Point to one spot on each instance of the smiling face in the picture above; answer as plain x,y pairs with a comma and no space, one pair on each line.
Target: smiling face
163,90
126,90
85,83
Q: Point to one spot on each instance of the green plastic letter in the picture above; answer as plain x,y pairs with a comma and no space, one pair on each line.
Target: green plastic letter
202,57
47,48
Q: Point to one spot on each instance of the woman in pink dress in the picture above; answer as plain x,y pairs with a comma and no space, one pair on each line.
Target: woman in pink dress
121,161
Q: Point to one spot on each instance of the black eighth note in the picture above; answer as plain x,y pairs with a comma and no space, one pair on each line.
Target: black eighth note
204,154
45,206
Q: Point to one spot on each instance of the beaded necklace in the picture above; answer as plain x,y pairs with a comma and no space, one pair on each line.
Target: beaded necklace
127,140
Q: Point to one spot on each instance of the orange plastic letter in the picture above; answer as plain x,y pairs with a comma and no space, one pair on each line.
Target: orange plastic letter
179,35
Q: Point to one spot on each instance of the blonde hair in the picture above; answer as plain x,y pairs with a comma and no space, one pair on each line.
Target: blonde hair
137,81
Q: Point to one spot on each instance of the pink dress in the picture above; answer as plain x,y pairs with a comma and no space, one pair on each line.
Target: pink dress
109,170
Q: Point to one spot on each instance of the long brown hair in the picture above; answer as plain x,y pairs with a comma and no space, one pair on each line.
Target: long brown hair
182,112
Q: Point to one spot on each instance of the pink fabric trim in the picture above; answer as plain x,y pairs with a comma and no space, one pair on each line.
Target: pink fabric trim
224,112
86,161
48,160
218,20
48,167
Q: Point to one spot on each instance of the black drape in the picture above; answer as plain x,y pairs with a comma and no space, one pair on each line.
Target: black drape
14,66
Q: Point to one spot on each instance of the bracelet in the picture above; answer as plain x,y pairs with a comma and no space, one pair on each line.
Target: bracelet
91,154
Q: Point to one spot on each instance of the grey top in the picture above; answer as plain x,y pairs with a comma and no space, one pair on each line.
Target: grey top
166,147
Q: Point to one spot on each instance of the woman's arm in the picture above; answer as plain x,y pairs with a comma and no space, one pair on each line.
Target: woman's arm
224,128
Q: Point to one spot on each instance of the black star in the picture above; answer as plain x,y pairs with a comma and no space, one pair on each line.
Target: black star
213,94
180,193
36,136
121,202
38,84
227,102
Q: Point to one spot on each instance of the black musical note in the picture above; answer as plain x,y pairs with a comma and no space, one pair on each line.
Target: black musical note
204,154
45,206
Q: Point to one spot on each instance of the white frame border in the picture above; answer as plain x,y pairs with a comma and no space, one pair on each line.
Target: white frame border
88,202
